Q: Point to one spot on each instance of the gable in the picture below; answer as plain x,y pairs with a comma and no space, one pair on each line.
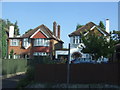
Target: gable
96,32
89,26
39,35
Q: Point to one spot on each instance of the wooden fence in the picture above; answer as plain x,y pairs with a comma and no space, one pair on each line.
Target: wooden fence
79,73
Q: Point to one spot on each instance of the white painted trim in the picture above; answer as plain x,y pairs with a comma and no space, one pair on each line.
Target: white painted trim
101,31
44,33
61,53
37,32
93,27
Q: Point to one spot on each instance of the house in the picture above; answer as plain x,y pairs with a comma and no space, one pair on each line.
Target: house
40,41
76,44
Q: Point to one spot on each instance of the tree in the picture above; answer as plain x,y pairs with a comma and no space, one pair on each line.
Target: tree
16,29
78,26
4,28
11,54
4,38
98,46
101,25
28,31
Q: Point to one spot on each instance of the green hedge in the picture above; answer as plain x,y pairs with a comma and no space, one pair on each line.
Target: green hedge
12,66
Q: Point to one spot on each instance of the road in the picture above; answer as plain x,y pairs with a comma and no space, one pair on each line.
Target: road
11,82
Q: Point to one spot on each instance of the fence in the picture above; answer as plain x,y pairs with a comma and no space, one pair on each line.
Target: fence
12,66
79,73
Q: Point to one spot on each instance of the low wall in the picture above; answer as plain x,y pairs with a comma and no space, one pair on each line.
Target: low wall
79,73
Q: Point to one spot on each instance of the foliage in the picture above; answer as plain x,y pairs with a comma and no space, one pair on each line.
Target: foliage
11,53
16,29
101,25
4,27
12,66
29,78
4,38
78,26
98,46
28,31
0,39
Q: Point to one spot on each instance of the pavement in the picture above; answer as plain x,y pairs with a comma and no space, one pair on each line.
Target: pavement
11,82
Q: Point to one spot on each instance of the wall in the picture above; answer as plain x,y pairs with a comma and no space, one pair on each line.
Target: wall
17,49
79,73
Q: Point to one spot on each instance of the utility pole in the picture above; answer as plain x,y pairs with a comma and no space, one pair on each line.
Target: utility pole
68,67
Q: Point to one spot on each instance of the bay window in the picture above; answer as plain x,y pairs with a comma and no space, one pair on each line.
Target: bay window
41,42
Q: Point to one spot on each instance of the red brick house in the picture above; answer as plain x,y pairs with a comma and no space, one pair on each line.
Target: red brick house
40,41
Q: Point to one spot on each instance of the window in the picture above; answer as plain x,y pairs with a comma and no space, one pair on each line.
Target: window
14,42
77,38
80,41
74,39
25,42
41,42
40,53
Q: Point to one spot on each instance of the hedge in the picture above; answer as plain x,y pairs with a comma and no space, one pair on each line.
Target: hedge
12,66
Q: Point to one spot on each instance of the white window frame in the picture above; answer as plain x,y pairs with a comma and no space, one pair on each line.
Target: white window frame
41,42
76,39
40,54
25,42
14,42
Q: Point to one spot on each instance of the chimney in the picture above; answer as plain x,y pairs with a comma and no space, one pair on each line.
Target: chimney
58,31
54,28
107,26
11,31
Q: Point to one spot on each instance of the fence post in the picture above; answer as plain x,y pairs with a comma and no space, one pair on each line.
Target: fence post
68,67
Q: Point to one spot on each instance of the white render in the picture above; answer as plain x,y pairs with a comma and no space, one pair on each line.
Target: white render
76,47
107,25
60,52
11,31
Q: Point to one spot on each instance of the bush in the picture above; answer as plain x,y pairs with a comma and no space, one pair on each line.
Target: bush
12,66
28,79
41,60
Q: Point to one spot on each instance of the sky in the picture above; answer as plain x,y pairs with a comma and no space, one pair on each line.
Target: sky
29,15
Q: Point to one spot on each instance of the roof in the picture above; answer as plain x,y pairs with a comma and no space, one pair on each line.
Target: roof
45,29
85,28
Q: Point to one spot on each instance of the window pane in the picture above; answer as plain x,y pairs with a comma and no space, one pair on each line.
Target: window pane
74,39
41,42
14,42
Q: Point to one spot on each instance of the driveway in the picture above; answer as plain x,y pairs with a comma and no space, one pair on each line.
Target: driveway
12,81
